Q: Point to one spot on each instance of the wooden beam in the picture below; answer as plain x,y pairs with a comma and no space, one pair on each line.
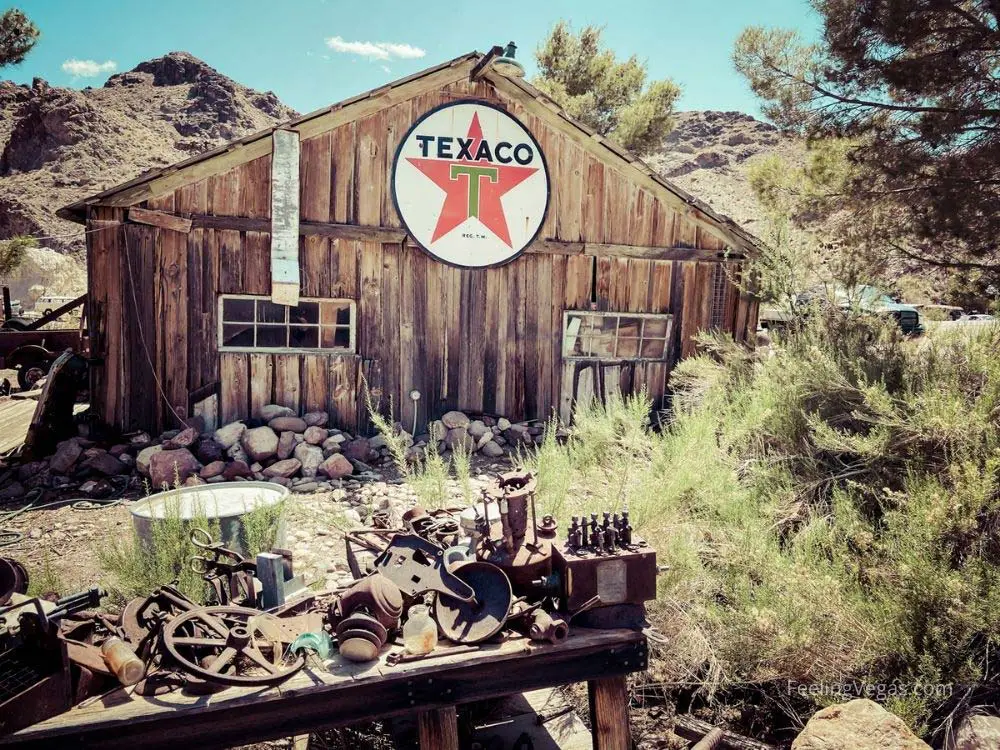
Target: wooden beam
160,219
56,314
609,713
597,249
438,729
485,63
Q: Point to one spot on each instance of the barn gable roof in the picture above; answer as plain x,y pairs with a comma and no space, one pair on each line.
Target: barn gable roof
158,182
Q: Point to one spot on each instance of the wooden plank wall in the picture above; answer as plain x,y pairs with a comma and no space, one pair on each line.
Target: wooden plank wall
479,340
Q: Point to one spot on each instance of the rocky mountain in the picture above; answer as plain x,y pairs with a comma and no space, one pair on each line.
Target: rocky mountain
59,144
708,154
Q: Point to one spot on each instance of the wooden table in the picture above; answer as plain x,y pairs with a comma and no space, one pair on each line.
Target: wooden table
349,693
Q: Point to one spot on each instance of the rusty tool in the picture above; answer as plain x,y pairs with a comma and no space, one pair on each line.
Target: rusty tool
229,574
214,642
402,657
417,566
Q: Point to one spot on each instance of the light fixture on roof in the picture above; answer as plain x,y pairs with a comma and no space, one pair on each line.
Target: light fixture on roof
507,64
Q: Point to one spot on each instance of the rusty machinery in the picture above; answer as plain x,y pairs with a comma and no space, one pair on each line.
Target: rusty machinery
35,677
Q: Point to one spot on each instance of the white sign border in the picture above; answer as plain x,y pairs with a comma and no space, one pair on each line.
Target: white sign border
538,149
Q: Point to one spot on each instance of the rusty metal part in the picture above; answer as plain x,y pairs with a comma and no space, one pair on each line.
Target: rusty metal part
207,640
547,527
416,566
360,637
545,627
375,595
229,574
621,575
13,579
710,741
476,621
403,657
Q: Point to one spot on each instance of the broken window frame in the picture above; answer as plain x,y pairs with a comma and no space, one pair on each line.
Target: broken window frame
571,338
257,323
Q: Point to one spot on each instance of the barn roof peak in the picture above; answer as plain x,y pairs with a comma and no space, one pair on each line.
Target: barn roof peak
496,67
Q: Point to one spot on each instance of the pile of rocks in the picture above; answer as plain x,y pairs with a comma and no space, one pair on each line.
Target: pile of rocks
303,453
489,436
278,446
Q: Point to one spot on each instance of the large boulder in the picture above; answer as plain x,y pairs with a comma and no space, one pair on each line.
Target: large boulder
455,419
310,456
285,468
316,418
286,444
336,466
260,443
236,470
207,451
315,435
280,424
213,469
145,456
458,436
492,450
65,456
857,725
229,435
358,449
478,429
978,732
183,439
172,467
272,411
106,464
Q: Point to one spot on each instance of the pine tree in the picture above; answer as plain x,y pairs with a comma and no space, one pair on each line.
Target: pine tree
608,96
17,36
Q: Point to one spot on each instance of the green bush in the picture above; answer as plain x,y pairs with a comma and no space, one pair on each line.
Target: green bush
829,511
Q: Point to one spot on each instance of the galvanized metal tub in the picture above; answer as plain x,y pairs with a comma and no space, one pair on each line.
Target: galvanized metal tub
224,503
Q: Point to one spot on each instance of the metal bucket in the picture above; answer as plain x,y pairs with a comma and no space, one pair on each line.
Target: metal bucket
225,504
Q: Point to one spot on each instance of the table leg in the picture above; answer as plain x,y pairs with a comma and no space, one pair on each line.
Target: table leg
438,729
609,713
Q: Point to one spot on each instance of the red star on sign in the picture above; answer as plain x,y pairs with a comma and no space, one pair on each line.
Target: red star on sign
473,188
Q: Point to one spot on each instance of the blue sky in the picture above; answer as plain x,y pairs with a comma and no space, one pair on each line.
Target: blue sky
315,52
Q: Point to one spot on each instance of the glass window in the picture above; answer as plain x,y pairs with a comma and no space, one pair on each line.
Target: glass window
257,323
611,336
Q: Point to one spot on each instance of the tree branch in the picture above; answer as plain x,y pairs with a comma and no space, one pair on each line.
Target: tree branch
993,267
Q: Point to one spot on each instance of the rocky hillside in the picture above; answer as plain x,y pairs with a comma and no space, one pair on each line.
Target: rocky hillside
708,154
58,145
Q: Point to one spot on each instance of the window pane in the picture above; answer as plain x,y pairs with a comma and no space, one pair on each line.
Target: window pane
237,335
336,338
627,348
306,312
305,337
268,312
336,312
272,336
655,328
653,348
237,310
630,327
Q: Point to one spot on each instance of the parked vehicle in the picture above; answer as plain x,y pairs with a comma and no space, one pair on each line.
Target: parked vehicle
868,299
47,303
25,347
978,318
940,312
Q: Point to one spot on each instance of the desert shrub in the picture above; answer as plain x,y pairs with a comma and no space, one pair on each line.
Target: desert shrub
828,511
132,567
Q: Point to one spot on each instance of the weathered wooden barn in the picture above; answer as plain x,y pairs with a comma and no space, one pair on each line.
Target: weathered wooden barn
193,308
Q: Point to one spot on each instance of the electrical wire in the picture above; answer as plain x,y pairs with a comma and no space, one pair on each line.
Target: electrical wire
77,233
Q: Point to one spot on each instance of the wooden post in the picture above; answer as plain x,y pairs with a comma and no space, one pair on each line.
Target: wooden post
609,713
438,729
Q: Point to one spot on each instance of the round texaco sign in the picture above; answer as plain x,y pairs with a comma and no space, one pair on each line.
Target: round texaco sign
470,184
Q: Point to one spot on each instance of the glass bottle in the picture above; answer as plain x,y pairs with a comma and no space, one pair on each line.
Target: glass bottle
420,633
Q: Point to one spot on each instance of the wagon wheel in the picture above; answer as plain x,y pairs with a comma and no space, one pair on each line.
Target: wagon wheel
214,642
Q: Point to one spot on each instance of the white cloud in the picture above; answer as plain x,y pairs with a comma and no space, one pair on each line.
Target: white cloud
386,68
88,68
375,50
